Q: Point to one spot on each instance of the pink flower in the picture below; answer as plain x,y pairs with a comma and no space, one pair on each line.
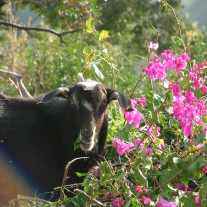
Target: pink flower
148,151
139,143
158,167
97,173
138,189
163,203
192,76
197,201
168,59
204,171
175,88
118,202
122,147
185,56
179,64
145,200
156,58
181,186
196,84
151,131
142,101
189,97
155,70
201,65
153,46
203,88
133,117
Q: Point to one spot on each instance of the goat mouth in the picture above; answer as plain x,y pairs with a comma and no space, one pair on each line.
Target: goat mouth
86,146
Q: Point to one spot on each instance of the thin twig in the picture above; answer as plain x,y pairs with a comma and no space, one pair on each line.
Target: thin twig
166,182
96,201
66,173
151,139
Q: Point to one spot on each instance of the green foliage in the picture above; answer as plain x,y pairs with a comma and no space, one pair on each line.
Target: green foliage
104,51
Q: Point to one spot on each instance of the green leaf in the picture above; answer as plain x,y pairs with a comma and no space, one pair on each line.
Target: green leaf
87,50
81,174
194,167
158,98
139,177
104,171
148,163
200,138
177,40
103,35
97,71
190,202
184,177
77,143
90,24
135,202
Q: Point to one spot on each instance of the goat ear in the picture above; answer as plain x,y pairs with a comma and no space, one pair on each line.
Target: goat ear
124,102
59,92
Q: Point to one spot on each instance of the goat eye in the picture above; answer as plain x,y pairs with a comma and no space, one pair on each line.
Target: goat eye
71,102
104,102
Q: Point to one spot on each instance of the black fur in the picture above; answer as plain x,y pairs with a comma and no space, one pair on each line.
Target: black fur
37,139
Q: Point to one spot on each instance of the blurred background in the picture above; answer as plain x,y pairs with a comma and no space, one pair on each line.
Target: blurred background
46,60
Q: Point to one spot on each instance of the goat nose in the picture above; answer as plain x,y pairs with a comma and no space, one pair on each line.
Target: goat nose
87,133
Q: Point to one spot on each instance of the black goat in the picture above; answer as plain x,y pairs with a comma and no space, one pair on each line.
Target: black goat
37,135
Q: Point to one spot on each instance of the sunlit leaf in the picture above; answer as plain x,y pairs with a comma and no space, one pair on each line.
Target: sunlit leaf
97,71
90,24
103,35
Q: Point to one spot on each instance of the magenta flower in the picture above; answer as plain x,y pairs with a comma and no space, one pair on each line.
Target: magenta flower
156,58
133,117
179,64
181,186
185,56
155,71
197,201
168,59
203,88
153,46
196,84
138,189
204,171
139,143
163,203
97,173
118,202
142,101
145,200
202,65
192,76
175,89
151,131
122,147
148,151
189,97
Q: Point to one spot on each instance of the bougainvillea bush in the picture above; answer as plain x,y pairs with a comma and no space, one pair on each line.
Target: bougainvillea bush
156,155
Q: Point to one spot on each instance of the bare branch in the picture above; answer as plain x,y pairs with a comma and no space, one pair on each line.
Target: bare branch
17,81
96,201
65,175
59,34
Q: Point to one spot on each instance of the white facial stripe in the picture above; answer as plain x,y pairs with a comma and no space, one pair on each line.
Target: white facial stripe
90,85
87,105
